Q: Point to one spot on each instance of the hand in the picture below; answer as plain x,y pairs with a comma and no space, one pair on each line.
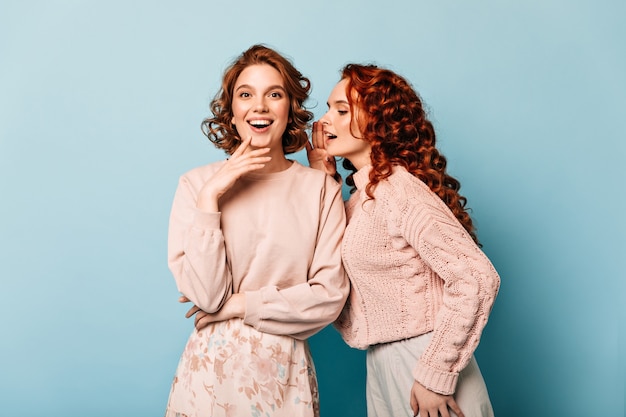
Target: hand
316,152
234,307
239,163
430,404
193,310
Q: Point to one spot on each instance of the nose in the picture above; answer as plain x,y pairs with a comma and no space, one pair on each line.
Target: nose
260,104
324,120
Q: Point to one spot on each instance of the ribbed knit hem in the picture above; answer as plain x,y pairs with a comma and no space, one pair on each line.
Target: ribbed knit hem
438,381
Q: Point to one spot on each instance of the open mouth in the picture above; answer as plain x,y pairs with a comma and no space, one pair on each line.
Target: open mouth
260,124
329,135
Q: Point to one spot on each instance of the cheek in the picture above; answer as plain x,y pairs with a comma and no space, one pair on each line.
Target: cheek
282,114
346,126
238,120
355,131
285,112
239,110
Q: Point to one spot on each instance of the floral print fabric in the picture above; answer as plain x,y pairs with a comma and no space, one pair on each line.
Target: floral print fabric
230,369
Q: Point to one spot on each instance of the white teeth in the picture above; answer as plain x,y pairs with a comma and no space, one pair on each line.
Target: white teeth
330,136
260,123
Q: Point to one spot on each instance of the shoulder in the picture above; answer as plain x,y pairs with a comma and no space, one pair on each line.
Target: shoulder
404,191
196,177
401,185
310,176
401,180
306,171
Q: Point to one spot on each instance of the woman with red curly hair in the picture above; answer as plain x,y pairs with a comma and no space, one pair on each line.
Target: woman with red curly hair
422,289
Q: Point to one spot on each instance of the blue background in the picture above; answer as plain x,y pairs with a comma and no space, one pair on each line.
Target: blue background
100,108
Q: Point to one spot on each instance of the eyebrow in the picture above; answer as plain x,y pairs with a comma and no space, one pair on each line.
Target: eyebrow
271,87
338,102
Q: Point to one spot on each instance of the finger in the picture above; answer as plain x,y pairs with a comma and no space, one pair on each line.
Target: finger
202,320
183,299
443,410
193,310
201,315
242,147
315,135
455,407
255,156
255,159
201,324
414,406
241,170
318,135
309,144
256,153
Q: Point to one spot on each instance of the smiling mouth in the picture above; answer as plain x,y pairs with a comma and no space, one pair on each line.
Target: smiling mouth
330,135
260,124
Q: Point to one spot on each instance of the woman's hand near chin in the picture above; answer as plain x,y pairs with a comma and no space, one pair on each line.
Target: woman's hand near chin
239,164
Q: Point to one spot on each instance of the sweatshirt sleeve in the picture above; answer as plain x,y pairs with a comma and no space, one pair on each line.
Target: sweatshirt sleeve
470,286
304,309
196,251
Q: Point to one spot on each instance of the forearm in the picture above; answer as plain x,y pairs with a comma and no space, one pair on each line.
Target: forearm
469,290
196,252
299,311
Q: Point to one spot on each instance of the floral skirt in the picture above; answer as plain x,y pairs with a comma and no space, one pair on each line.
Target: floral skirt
231,369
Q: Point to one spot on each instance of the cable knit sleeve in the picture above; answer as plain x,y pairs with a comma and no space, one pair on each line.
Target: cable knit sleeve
303,309
196,251
470,285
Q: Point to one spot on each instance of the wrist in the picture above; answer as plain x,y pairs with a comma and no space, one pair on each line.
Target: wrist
207,203
240,305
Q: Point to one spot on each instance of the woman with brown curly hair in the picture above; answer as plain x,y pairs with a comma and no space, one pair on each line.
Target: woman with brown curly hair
254,244
422,289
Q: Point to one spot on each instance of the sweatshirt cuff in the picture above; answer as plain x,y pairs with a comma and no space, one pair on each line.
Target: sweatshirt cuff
254,302
207,219
441,382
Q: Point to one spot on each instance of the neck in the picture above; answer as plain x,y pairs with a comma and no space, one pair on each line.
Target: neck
279,162
360,162
361,158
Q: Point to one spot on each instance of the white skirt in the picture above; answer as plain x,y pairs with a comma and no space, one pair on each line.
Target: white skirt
231,369
390,379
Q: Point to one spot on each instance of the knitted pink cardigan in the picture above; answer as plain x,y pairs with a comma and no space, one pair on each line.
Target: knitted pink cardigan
414,269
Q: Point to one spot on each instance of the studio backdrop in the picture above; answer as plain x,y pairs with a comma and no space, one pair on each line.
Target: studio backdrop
100,111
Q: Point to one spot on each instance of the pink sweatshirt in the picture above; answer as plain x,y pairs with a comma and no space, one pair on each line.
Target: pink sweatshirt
414,269
277,238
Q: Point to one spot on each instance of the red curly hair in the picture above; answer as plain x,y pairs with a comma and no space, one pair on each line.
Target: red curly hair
392,119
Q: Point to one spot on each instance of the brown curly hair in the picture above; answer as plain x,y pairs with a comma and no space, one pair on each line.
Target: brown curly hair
219,128
392,119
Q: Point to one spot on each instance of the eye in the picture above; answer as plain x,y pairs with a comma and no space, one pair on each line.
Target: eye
342,112
244,94
276,94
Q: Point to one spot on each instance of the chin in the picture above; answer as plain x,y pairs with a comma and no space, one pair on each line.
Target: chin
260,142
330,152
